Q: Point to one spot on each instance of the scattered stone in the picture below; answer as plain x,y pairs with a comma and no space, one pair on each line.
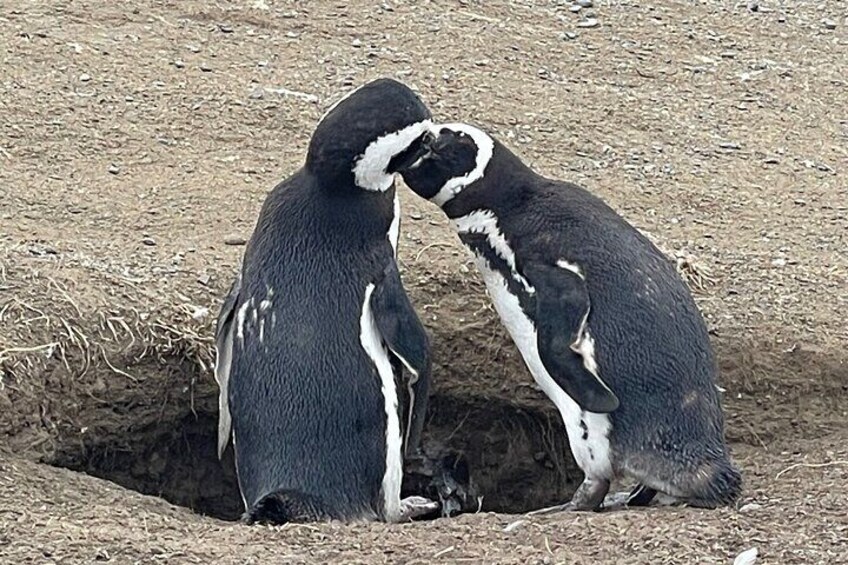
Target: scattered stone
85,77
590,22
179,64
416,215
204,279
729,145
225,28
356,43
114,169
728,55
771,161
481,62
829,24
750,507
747,557
200,313
584,3
149,241
512,526
575,8
234,240
205,68
754,6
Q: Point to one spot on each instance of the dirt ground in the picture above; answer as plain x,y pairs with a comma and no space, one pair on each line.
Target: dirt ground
137,145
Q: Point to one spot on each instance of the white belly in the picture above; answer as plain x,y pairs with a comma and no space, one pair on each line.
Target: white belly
588,432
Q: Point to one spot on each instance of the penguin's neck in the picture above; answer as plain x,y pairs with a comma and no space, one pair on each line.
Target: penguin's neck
504,179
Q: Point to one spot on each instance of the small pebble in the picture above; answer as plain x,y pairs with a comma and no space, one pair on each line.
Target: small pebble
513,525
829,24
568,35
415,215
225,28
114,169
149,241
85,77
205,68
575,8
356,43
753,6
591,22
747,557
584,3
750,507
200,313
179,64
729,145
234,240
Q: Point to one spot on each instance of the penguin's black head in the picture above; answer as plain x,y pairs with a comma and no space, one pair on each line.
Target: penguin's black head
450,157
362,134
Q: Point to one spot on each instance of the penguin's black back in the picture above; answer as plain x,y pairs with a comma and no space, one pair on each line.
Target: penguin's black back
651,343
307,408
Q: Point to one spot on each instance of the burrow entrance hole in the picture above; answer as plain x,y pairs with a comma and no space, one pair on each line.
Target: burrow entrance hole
518,459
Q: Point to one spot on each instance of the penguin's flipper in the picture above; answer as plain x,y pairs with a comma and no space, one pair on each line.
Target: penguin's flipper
405,337
565,347
223,362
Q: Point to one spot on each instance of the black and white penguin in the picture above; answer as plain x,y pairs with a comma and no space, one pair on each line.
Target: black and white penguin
603,321
317,328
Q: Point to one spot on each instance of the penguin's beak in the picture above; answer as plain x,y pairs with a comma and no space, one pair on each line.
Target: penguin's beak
412,156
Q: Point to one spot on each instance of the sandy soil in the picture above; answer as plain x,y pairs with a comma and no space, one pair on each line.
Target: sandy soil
137,144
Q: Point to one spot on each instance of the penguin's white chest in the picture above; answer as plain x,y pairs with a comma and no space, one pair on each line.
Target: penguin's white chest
588,432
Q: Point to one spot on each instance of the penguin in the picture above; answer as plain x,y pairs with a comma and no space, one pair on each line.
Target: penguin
603,321
316,332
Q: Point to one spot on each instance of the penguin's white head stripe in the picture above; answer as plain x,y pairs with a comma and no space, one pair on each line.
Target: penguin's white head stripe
369,170
485,147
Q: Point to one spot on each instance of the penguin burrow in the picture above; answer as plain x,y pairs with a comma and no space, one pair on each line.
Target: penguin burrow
317,329
603,321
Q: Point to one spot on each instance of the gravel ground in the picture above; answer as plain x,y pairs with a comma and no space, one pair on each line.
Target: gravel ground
137,144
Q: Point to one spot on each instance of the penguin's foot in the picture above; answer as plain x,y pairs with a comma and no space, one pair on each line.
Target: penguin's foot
413,507
589,496
616,500
639,496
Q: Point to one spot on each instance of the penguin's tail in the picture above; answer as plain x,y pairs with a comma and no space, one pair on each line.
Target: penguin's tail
283,506
717,484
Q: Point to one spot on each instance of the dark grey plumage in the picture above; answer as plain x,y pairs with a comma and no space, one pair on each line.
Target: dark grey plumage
581,258
319,280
